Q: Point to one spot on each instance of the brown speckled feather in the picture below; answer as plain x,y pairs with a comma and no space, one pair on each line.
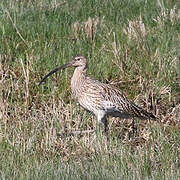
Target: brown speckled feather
99,98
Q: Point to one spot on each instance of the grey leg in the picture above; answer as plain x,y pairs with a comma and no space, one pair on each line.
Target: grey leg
104,121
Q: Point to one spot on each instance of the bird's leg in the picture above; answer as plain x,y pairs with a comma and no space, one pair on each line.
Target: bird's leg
104,121
134,129
98,132
101,121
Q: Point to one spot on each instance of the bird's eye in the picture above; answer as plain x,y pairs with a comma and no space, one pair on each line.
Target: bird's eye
78,59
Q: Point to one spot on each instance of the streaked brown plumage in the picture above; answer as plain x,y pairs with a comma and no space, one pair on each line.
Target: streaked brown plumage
99,98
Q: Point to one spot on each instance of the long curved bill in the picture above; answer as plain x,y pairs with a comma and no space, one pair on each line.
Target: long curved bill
54,71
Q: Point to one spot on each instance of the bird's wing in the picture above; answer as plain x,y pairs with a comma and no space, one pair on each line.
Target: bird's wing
115,100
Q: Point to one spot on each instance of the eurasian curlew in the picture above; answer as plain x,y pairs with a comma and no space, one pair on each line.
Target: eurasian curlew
99,98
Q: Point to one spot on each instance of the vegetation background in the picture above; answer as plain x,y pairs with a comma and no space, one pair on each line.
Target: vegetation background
131,44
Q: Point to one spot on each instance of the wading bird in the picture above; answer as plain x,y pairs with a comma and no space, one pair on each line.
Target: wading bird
99,98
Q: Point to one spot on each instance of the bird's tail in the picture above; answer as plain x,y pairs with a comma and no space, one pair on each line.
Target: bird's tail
141,113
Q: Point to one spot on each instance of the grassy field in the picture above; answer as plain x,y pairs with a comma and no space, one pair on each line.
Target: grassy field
133,45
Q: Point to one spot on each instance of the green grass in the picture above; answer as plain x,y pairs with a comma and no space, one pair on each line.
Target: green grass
134,46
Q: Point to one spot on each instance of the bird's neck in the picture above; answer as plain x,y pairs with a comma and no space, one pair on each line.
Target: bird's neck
78,77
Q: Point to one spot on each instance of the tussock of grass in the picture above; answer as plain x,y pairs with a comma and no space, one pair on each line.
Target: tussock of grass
133,45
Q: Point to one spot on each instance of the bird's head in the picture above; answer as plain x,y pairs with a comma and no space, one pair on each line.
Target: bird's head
77,61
